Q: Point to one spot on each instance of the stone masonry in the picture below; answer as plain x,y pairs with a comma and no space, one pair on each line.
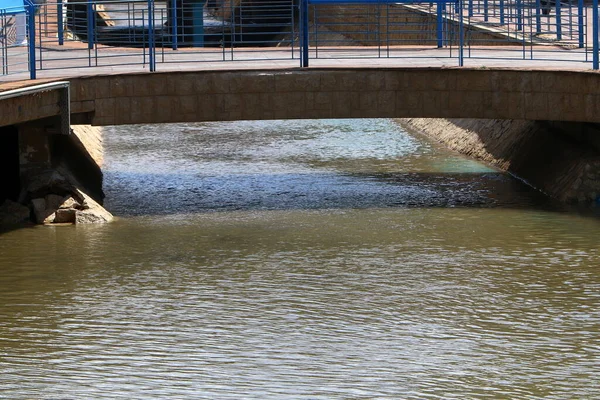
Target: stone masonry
321,93
337,93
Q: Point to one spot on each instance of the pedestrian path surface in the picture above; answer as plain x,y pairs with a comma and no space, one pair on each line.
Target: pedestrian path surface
65,63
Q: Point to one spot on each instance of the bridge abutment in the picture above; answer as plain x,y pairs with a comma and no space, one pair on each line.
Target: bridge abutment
49,176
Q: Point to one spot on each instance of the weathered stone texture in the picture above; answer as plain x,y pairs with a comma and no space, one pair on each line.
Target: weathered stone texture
90,138
537,152
450,92
29,107
297,93
223,95
90,212
55,209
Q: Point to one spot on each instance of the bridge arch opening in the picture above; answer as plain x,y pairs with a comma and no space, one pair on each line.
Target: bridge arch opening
292,165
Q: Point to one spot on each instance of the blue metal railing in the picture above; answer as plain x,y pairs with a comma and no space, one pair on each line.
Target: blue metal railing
361,21
149,33
13,40
595,46
30,7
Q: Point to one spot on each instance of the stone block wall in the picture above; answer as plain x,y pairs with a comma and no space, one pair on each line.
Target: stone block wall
336,93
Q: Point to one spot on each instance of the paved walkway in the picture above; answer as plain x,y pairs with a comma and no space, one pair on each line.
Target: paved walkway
63,63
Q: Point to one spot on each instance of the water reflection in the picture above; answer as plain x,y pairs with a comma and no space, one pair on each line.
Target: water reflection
278,165
347,294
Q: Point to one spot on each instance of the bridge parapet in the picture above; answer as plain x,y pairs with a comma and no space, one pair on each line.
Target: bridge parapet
337,93
148,35
318,93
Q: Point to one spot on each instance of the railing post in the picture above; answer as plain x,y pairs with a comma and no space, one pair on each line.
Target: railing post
304,33
198,24
461,34
485,11
151,38
440,24
3,47
293,28
580,24
470,8
174,27
538,17
501,12
90,24
30,7
60,22
519,5
558,21
595,60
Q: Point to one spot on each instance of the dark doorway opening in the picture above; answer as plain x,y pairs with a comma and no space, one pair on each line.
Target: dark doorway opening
10,182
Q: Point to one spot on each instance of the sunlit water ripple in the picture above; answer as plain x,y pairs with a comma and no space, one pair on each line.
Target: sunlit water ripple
302,259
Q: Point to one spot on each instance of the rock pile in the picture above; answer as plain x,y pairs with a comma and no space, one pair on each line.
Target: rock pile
76,208
52,197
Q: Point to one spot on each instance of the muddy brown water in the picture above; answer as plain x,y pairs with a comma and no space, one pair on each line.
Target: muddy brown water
329,259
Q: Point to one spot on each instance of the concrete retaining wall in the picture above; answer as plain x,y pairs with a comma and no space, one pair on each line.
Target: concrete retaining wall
90,140
555,159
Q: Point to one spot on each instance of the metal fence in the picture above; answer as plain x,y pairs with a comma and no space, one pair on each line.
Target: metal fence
383,30
61,34
13,40
545,30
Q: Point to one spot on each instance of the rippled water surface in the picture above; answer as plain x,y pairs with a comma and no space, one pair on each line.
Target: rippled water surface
302,259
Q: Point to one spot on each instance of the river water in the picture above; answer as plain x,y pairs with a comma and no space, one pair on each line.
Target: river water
302,260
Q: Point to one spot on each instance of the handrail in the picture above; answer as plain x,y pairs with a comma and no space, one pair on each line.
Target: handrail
153,32
44,87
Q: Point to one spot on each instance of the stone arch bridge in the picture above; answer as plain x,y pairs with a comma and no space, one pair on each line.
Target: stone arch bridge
524,94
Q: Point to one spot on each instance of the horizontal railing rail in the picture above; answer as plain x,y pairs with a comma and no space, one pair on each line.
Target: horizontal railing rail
13,40
67,34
